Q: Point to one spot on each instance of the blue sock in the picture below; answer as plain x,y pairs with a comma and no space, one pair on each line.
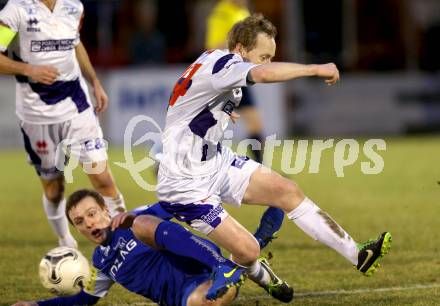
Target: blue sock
176,239
270,223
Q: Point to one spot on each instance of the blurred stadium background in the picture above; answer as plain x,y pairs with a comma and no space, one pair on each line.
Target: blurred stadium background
388,53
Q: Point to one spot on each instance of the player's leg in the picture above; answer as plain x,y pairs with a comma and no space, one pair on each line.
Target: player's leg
173,237
232,236
86,133
245,251
40,146
273,189
270,224
54,205
176,239
198,296
232,189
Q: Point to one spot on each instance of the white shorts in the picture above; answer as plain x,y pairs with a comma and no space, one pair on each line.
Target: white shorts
41,142
198,201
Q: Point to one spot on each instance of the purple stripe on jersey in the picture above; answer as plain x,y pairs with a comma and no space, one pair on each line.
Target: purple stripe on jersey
208,213
35,159
202,123
221,63
60,90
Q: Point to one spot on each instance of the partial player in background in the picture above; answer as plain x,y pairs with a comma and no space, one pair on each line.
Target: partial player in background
197,173
53,104
157,272
220,21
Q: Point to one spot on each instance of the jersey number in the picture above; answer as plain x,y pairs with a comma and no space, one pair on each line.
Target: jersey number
184,83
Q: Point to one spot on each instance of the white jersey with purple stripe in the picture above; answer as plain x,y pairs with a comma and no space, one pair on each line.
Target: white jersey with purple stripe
47,38
198,114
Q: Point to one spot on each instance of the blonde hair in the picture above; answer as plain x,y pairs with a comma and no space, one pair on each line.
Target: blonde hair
246,31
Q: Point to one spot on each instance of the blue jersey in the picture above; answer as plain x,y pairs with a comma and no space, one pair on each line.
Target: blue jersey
158,275
161,276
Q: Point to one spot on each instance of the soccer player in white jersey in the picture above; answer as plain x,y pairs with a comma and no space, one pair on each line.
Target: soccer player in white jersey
52,99
197,174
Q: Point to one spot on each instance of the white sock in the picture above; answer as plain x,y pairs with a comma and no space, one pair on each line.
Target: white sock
55,213
115,205
320,226
258,274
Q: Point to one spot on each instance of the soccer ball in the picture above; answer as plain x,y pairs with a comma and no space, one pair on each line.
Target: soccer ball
64,271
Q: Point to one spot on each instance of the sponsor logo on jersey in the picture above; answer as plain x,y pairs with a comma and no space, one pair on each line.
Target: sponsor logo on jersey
31,10
70,10
212,214
122,255
239,161
120,244
42,147
52,45
232,63
105,250
32,23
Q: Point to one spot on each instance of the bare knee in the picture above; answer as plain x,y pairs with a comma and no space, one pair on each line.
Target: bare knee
288,193
54,189
237,240
247,254
144,229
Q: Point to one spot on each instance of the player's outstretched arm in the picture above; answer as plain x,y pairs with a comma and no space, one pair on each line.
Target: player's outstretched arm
280,72
90,75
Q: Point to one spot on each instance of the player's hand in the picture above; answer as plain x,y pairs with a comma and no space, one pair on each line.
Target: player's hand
124,220
328,71
42,74
25,304
101,97
234,117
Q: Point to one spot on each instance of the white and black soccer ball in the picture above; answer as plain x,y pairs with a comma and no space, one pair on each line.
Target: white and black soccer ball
64,271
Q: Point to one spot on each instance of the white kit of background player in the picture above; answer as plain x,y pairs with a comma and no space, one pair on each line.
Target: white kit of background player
52,99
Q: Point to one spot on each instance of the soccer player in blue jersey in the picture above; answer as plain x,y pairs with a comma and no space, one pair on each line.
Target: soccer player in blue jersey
155,273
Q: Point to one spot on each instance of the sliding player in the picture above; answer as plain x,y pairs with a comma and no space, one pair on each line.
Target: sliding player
155,273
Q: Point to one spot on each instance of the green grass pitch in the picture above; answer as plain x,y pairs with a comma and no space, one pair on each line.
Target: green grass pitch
404,199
